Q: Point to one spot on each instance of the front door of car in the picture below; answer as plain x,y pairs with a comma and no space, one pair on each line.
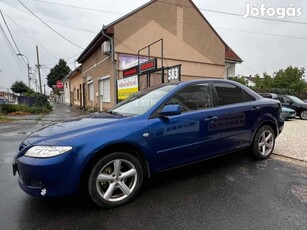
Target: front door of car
189,136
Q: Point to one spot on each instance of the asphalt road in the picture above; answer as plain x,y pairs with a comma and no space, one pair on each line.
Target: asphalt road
231,192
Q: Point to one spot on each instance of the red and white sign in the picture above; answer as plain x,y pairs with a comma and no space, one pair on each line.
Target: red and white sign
59,84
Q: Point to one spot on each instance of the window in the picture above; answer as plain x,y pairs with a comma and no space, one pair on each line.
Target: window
78,94
91,91
193,98
231,94
104,89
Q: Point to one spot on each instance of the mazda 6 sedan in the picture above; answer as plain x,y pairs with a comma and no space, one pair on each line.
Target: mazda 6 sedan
157,129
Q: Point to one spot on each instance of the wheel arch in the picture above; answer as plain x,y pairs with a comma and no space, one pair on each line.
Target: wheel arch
120,147
270,123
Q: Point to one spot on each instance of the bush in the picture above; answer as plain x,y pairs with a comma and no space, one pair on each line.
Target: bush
41,101
41,105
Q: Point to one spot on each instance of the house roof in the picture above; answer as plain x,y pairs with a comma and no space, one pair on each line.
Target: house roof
109,30
71,73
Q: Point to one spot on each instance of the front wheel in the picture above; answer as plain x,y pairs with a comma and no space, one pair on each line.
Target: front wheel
115,179
264,142
303,115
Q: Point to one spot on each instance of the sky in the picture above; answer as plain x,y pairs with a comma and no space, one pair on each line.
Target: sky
268,35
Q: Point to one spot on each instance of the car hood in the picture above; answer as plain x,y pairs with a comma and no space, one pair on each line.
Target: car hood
62,131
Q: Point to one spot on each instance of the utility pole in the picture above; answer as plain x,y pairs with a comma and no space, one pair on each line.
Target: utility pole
39,72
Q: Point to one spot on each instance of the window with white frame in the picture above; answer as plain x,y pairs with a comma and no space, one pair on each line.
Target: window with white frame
91,91
104,89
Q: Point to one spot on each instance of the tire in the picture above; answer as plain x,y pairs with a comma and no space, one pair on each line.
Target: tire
115,180
263,143
303,115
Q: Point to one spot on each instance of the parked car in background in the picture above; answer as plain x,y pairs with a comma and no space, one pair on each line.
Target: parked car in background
286,112
3,101
294,103
156,129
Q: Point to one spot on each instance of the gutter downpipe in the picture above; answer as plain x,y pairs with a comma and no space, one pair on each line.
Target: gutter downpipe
113,61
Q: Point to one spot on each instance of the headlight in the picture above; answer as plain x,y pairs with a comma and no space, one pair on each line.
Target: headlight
47,151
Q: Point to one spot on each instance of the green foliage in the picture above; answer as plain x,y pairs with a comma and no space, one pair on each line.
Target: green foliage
41,105
264,83
41,101
287,81
6,109
290,78
21,88
240,80
58,72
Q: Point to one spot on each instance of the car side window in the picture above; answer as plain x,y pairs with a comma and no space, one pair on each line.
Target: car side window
231,94
194,97
281,99
287,100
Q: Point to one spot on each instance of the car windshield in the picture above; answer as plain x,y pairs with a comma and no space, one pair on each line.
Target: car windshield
142,101
296,99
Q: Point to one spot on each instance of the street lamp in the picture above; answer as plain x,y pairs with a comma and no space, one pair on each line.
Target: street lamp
28,65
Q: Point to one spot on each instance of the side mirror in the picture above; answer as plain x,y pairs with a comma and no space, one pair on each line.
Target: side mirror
170,110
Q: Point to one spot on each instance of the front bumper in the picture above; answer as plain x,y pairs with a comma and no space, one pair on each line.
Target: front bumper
48,177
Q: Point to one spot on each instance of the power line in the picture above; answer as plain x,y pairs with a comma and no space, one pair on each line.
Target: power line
53,22
239,15
79,7
49,25
11,48
266,34
8,28
36,42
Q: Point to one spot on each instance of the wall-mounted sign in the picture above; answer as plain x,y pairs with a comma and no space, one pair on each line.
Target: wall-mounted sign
59,85
131,71
129,61
127,87
173,73
148,65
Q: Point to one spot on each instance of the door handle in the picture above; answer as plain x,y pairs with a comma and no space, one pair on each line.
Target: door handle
211,119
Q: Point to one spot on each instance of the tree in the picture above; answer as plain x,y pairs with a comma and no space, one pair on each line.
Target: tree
58,72
240,80
265,82
20,87
291,78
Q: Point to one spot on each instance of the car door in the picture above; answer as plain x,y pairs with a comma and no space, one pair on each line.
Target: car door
238,115
189,136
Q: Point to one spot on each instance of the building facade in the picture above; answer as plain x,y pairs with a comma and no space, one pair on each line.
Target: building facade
172,32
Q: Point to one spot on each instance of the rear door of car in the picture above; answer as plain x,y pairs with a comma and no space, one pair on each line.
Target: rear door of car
238,114
189,136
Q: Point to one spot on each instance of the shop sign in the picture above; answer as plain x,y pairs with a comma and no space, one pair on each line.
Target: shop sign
130,72
127,87
59,85
148,65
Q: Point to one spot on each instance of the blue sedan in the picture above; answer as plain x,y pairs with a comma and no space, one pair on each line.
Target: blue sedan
159,128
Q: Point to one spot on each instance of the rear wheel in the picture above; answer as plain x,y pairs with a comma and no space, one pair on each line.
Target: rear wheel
264,142
303,115
115,179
